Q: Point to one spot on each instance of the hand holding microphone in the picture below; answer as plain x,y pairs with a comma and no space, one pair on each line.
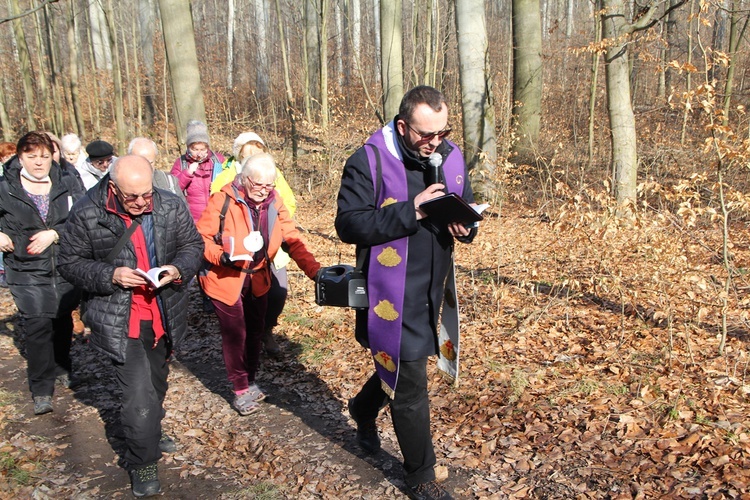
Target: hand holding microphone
435,160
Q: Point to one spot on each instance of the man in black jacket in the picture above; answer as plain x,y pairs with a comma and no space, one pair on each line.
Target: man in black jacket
402,165
121,225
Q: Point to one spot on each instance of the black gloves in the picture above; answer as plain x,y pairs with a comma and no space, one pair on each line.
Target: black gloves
224,260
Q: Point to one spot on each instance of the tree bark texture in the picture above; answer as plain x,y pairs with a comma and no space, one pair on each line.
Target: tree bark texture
476,86
527,78
179,40
392,71
621,117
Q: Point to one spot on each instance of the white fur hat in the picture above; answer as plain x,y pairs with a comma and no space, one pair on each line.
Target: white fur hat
243,139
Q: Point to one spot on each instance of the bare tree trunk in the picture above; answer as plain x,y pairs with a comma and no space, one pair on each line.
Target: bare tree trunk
116,79
355,24
4,118
182,58
527,78
42,79
73,70
230,44
288,87
688,74
56,84
392,70
592,90
95,110
340,37
146,17
477,103
262,83
324,63
130,84
99,36
137,71
312,48
569,19
737,24
617,30
378,29
25,65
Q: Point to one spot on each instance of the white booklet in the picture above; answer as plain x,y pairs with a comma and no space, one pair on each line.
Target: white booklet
152,275
229,247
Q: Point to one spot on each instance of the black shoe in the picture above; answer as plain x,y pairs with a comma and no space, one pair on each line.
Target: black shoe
67,380
367,432
167,444
270,345
145,481
42,405
428,491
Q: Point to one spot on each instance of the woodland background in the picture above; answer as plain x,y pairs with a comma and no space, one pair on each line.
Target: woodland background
606,337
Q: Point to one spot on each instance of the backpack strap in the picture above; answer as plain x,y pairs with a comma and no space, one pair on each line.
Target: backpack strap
110,258
223,215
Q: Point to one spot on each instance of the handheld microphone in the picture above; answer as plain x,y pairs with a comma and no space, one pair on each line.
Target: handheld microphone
435,160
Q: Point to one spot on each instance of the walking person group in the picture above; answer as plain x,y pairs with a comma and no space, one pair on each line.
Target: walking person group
96,226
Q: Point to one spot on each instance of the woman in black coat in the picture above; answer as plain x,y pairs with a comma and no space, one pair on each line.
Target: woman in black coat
35,198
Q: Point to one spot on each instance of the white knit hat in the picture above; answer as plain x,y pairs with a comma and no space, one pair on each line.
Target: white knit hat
243,139
196,132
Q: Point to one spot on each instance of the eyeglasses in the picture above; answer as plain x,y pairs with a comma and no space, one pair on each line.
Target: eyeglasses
102,163
132,198
256,186
430,135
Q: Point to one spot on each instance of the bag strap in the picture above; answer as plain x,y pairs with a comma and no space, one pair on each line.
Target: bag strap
218,236
110,258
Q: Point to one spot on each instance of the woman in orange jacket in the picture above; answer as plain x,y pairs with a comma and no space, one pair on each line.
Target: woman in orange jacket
256,222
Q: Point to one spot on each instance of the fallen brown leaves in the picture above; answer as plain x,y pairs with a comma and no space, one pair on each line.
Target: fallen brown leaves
589,370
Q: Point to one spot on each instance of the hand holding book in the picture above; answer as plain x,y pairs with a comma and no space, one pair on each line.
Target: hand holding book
452,208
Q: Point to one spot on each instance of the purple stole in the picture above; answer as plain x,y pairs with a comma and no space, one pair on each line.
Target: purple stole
386,278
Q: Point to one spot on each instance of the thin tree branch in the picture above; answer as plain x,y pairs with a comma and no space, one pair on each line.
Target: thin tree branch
22,14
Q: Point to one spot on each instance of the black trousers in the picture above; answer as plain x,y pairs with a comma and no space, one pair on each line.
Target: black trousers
143,381
48,343
276,296
410,412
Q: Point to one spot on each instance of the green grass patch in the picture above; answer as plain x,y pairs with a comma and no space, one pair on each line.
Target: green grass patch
261,491
7,397
11,468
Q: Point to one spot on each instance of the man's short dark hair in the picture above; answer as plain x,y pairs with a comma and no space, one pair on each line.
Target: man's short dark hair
421,94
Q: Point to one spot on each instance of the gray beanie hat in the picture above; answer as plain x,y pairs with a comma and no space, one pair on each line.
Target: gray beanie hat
196,132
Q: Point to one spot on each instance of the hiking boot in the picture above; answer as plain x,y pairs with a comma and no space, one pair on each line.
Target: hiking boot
167,444
42,405
67,380
428,491
270,345
145,481
367,431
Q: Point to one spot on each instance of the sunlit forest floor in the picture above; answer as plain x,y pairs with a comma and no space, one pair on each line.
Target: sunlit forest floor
590,368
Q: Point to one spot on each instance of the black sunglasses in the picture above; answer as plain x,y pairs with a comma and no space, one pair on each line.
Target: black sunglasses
431,135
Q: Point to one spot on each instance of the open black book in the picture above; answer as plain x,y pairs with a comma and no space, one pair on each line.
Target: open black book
452,208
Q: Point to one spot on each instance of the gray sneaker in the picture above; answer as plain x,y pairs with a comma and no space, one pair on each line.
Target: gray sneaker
42,405
167,444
